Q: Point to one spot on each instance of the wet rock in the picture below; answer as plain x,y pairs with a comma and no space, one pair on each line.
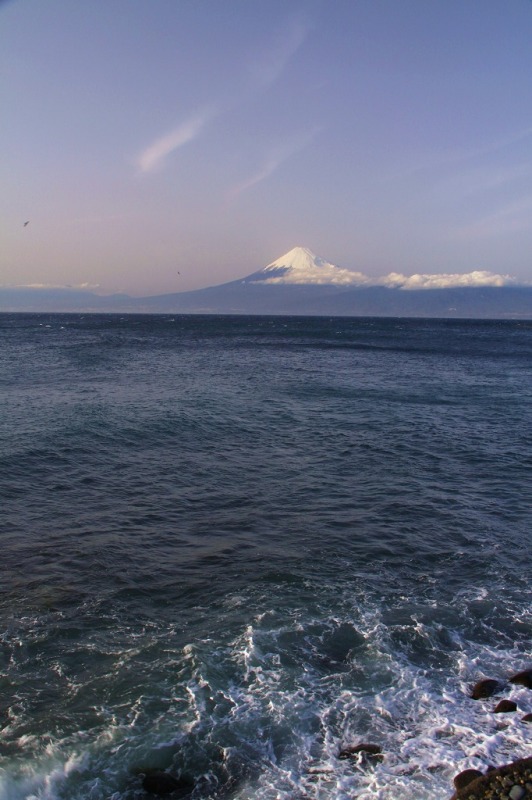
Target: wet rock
465,777
484,688
510,781
523,678
527,718
505,706
366,751
162,784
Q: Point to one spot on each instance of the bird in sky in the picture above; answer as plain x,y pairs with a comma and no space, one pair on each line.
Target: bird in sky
26,223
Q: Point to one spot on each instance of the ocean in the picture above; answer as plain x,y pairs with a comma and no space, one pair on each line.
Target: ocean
232,548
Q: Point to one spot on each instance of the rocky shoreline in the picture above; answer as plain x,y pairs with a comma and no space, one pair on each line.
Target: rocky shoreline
508,782
511,781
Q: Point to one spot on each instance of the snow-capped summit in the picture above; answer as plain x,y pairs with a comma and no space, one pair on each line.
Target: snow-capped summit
301,266
299,258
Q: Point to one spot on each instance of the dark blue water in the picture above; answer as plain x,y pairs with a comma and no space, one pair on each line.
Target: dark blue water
231,546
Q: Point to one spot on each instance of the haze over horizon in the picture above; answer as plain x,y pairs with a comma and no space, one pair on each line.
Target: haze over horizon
162,147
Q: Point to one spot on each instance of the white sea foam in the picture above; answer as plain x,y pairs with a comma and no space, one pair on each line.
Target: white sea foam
275,706
425,722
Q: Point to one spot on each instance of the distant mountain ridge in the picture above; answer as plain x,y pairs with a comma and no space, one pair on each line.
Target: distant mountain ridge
301,283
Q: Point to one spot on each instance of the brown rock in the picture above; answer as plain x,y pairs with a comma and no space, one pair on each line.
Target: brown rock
465,777
484,688
527,718
505,706
523,678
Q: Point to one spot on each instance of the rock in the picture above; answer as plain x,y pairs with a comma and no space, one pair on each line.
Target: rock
367,752
484,688
500,783
505,706
465,777
523,678
162,783
527,718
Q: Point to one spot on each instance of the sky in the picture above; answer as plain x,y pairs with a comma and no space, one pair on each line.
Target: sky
166,145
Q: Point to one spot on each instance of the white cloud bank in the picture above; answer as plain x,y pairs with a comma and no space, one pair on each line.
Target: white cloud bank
330,274
301,266
325,275
445,280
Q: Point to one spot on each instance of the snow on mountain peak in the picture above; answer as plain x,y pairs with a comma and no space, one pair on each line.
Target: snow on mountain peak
301,266
297,258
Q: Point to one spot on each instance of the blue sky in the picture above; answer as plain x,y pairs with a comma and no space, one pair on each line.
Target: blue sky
165,145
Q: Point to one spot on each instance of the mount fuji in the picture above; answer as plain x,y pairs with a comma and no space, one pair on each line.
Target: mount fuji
300,266
301,283
296,283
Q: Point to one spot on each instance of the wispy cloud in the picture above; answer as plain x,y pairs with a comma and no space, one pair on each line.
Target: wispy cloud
83,286
496,145
264,71
510,218
152,158
446,161
270,66
266,169
273,161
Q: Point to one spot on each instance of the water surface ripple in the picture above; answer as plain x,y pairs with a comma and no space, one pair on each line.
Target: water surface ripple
233,545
